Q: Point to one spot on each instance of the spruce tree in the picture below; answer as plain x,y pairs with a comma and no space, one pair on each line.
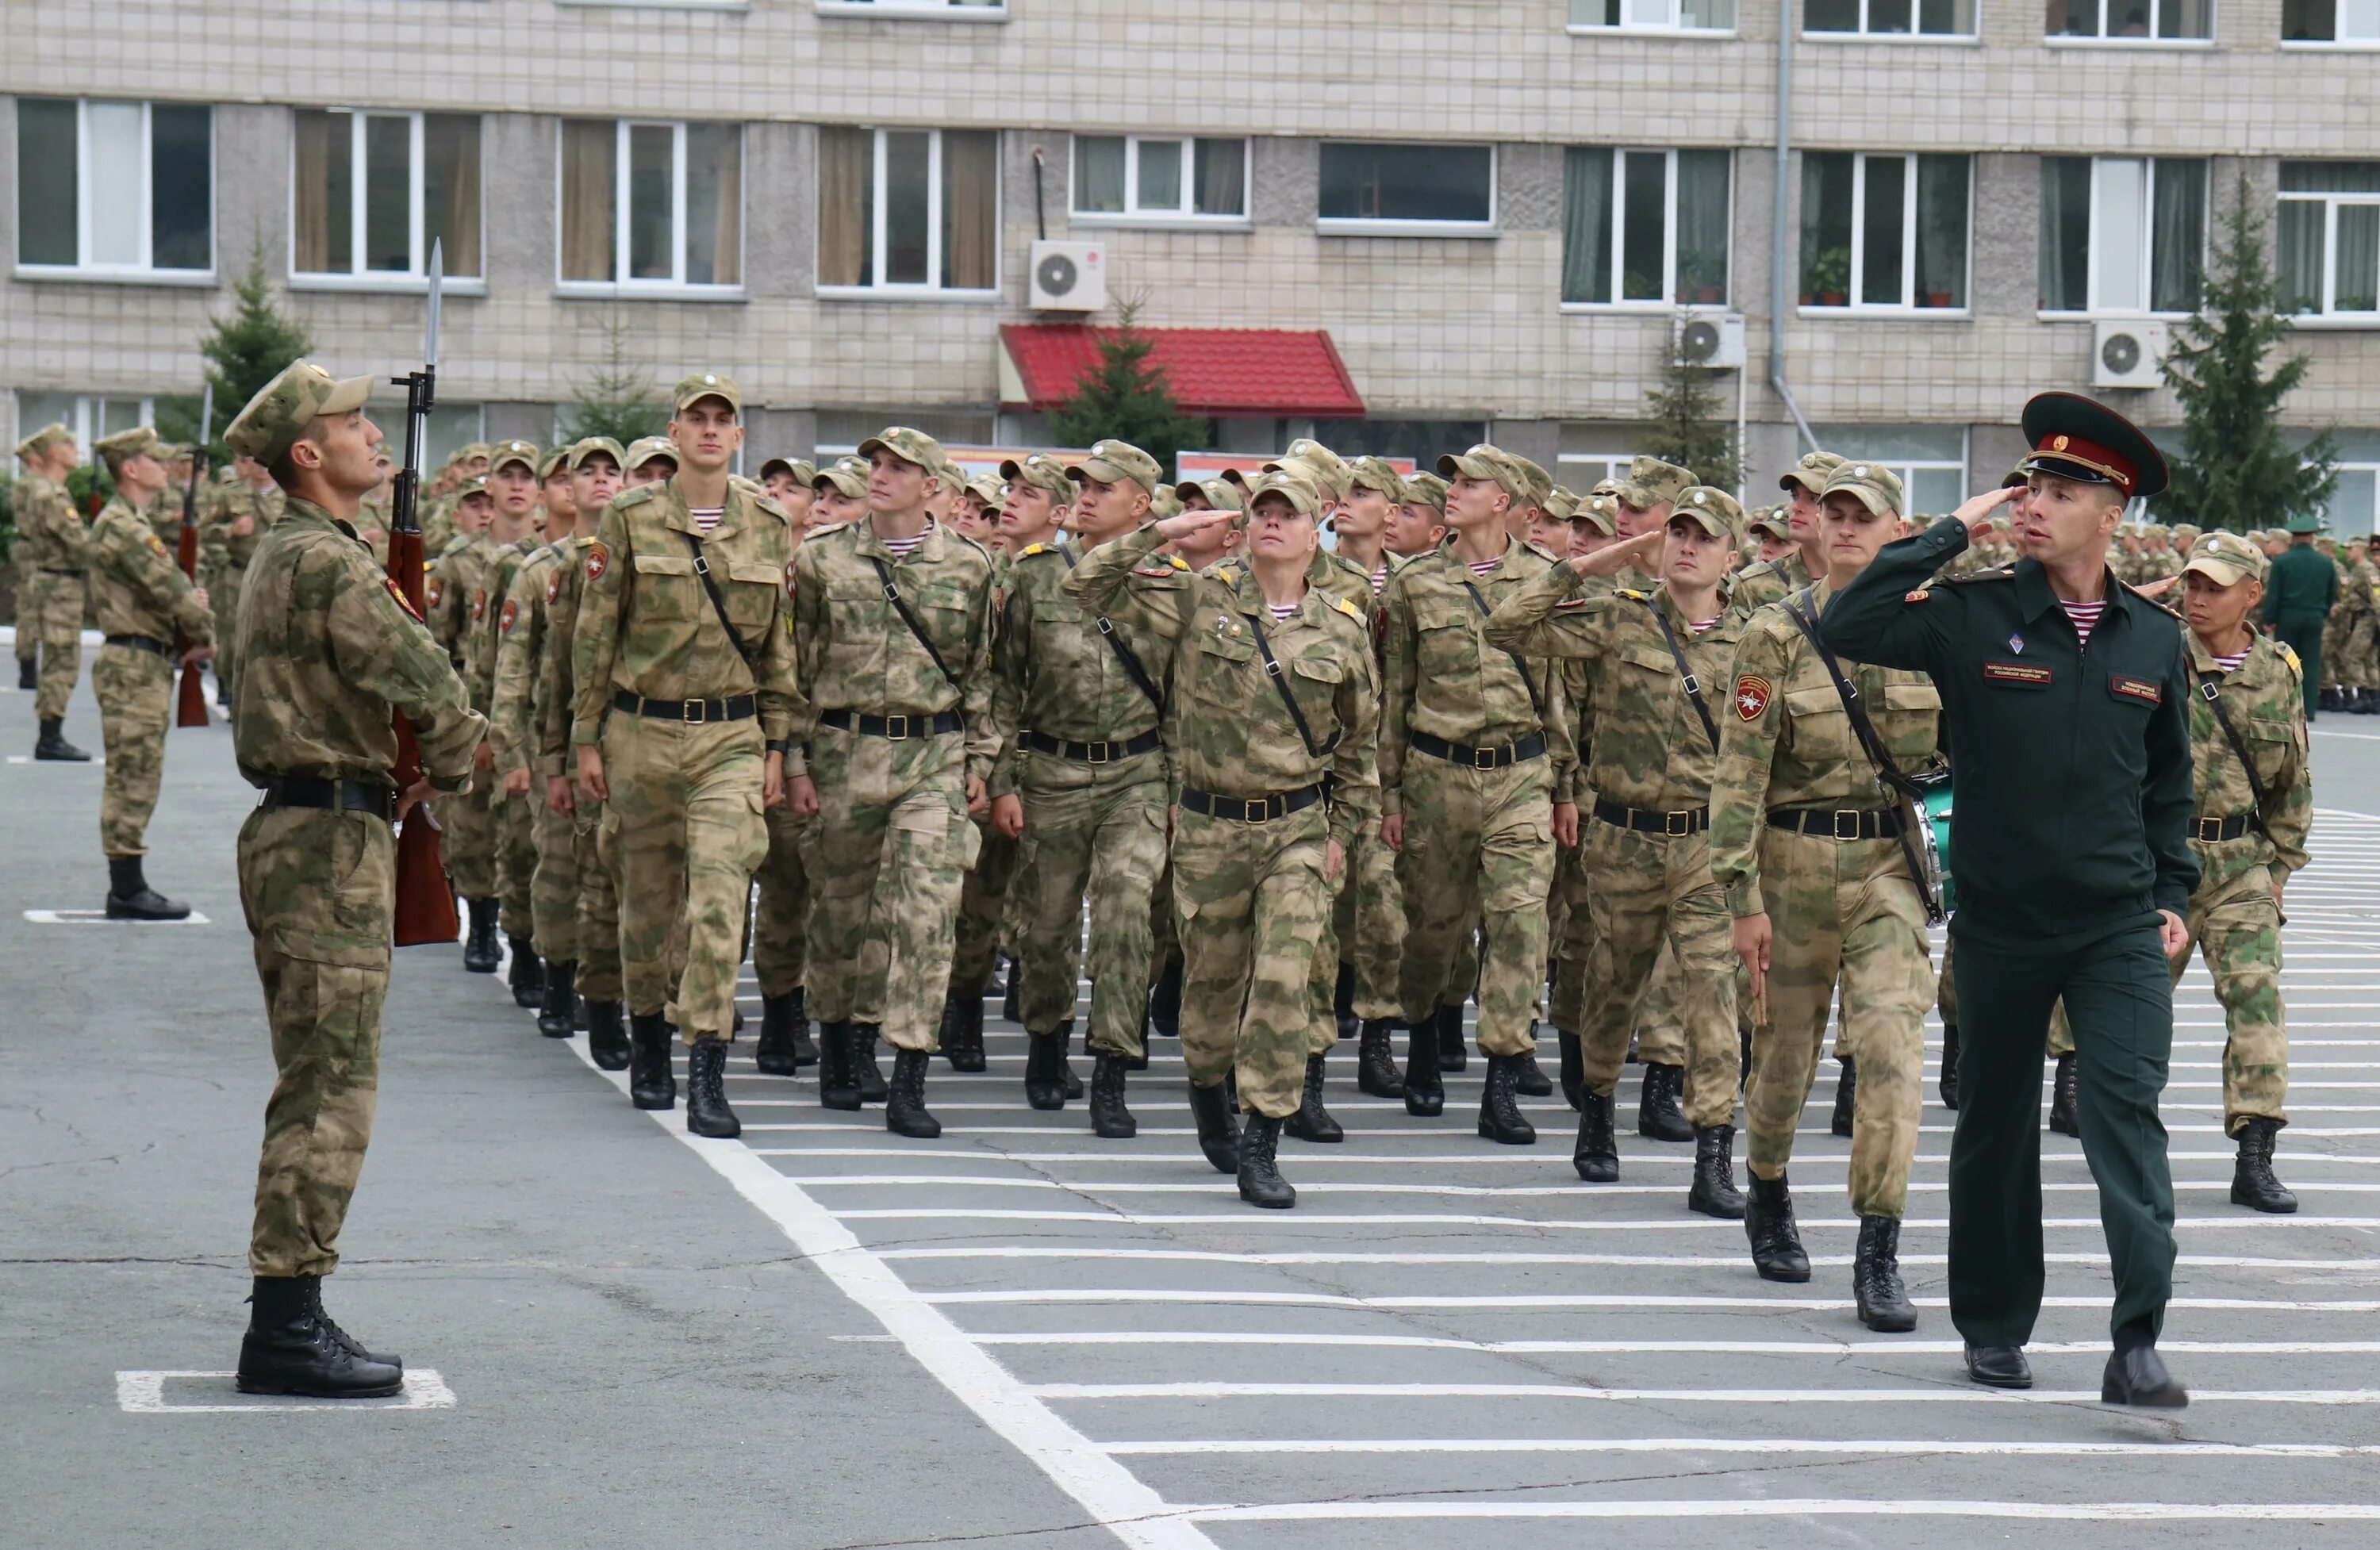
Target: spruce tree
2237,468
243,352
1689,425
1125,395
616,399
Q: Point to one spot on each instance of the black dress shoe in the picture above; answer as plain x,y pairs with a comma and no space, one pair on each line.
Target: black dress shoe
707,1112
1219,1128
129,897
1998,1366
2138,1377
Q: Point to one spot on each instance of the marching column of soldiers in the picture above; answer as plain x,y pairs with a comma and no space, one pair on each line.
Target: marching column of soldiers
879,724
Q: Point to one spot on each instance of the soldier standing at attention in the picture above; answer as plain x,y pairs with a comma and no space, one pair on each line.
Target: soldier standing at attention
894,744
1370,925
524,635
2300,592
141,601
781,913
652,460
330,648
2064,692
1271,729
32,448
510,540
1419,524
455,577
683,695
237,517
838,493
52,542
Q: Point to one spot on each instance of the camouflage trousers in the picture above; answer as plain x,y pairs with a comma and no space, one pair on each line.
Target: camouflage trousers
598,905
2238,928
889,853
317,888
2352,663
1647,889
985,910
1093,832
1164,925
1252,897
58,626
136,705
223,596
554,885
685,834
515,831
1841,911
781,920
469,841
1367,932
1573,944
1478,848
29,579
1660,1028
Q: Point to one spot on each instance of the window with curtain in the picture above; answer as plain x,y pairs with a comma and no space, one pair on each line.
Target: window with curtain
1647,226
2330,22
370,192
1655,16
149,169
1923,18
908,209
2165,20
1145,177
2327,237
1883,230
1372,183
650,205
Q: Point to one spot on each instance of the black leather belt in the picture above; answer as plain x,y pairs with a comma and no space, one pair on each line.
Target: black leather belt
1091,753
58,570
1694,821
1251,809
1530,747
900,729
144,643
734,707
1840,823
350,796
2214,831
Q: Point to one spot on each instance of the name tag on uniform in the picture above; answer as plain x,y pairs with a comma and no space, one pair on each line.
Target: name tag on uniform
2022,675
2136,688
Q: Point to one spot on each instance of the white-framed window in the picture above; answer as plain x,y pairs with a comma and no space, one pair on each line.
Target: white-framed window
2164,21
1652,16
1930,459
908,212
2354,508
1645,227
2329,243
1387,189
1891,18
649,206
2331,21
115,188
1159,179
370,192
931,10
2121,235
90,415
1885,231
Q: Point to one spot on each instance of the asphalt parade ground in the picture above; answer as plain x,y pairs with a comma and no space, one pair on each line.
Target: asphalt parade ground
822,1334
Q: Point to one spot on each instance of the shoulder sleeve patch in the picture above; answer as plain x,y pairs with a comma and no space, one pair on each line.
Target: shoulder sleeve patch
552,587
1751,695
402,601
598,559
478,604
509,616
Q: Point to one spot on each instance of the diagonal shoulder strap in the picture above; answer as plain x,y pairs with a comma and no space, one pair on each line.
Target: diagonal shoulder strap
1124,652
718,603
1685,674
2211,691
892,596
1536,701
1289,699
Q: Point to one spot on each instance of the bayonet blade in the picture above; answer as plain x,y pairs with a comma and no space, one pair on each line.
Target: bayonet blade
207,417
437,282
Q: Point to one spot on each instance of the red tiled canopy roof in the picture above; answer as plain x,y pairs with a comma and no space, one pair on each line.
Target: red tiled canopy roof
1212,370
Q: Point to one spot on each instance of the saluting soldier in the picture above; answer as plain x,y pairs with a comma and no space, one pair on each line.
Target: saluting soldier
510,540
52,542
329,647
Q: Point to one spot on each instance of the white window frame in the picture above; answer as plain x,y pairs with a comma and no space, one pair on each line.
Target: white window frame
905,10
2356,42
87,422
2070,40
1907,307
1646,29
2328,314
1668,300
2095,308
1600,466
1133,214
932,289
1906,468
1337,225
144,273
677,285
416,277
1862,34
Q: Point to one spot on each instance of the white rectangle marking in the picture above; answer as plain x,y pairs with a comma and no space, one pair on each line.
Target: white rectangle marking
143,1393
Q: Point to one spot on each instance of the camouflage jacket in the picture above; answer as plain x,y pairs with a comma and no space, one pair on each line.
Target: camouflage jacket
485,632
223,505
1338,578
1786,741
136,587
327,647
1441,678
2265,698
646,624
448,582
50,535
1227,729
1763,582
1056,674
1651,750
552,696
857,654
524,635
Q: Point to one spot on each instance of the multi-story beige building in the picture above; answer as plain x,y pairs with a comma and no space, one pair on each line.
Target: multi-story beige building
1462,218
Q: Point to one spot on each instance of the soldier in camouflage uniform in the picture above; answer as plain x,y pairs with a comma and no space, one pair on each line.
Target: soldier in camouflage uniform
35,448
454,576
652,460
1593,527
782,909
894,741
509,542
684,700
142,601
1270,727
53,541
330,648
237,515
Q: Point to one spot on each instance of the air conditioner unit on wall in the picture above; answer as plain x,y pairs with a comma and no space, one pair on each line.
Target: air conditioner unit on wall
1069,276
2126,354
1709,336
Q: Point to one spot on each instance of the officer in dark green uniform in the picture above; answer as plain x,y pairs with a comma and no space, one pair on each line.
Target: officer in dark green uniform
2301,589
2066,701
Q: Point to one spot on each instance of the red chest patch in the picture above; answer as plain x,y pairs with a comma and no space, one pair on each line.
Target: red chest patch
1752,696
2141,689
598,559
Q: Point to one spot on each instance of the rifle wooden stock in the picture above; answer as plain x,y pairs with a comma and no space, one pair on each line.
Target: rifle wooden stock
190,710
425,898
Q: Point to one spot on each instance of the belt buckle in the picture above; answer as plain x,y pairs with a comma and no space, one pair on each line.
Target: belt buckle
694,712
1258,810
1676,825
2210,831
1100,753
1483,759
1852,814
897,728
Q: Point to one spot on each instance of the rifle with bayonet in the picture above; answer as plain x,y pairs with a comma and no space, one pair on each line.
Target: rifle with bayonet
191,710
425,896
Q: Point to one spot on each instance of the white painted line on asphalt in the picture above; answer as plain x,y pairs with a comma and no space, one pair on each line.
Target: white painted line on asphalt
1496,1192
95,762
1542,1301
143,1393
1650,1347
1966,1394
2088,1512
1896,1447
1701,1262
1392,1219
100,918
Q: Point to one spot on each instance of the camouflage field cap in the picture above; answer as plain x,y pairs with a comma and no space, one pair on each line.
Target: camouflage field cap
502,453
141,439
706,384
2188,532
1377,473
1425,489
644,449
1163,503
1222,495
1302,494
1811,472
42,441
847,475
986,489
1559,503
1041,471
1489,461
1536,483
477,449
475,485
1772,521
1651,482
1714,511
285,406
1877,486
2226,558
774,465
910,446
1598,512
1113,461
1329,472
555,462
585,447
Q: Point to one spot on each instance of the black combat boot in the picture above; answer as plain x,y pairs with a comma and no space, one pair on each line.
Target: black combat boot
292,1347
527,975
1376,1061
1574,1069
1045,1055
129,897
1260,1180
1165,1000
1425,1094
1714,1193
1768,1222
651,1082
52,744
1110,1120
1342,1002
1846,1098
838,1084
905,1109
1067,1077
1596,1155
1530,1082
1008,995
2062,1118
1454,1049
29,676
1501,1120
558,1010
1949,1085
607,1041
1884,1304
963,1030
1660,1116
480,954
865,1072
1219,1128
1312,1121
706,1091
2253,1183
780,1024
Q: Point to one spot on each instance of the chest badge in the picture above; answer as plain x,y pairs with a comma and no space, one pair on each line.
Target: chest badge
2016,643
